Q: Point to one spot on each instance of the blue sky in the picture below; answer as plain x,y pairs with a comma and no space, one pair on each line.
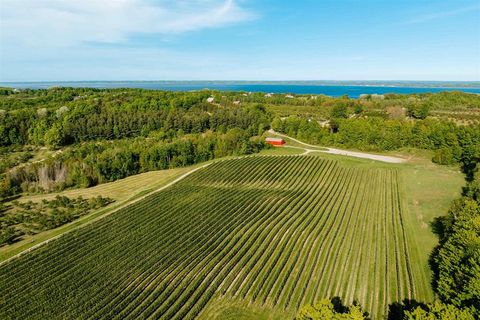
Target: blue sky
55,40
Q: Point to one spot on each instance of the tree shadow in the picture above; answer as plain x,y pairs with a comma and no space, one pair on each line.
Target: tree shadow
438,226
340,307
396,310
10,198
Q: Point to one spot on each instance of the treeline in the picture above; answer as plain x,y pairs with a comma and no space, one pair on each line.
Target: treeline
91,114
456,260
91,163
334,309
452,100
452,143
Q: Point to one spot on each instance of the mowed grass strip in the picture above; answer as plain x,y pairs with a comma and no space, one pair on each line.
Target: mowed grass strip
273,231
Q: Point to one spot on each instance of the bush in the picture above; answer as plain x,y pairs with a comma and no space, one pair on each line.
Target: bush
7,235
339,111
330,310
444,156
439,311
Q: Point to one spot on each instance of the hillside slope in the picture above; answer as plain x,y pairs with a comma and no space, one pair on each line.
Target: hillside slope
277,231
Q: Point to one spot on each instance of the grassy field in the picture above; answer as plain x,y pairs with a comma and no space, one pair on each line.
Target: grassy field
122,191
119,190
249,238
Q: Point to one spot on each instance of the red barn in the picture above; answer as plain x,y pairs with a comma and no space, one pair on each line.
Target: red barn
275,141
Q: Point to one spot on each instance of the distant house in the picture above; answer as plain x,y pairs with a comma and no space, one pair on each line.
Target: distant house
275,141
210,100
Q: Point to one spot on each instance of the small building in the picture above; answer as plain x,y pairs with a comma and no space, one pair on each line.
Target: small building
275,141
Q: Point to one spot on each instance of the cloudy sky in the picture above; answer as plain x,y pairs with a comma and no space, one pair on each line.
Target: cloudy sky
58,40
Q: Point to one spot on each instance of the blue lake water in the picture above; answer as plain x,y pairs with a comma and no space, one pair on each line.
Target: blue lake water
333,88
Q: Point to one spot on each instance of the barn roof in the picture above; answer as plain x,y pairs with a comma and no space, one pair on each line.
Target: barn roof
274,139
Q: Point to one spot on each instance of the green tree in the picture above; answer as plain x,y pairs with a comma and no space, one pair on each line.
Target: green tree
472,190
7,235
53,137
339,111
4,140
419,110
457,262
325,310
439,311
444,156
277,124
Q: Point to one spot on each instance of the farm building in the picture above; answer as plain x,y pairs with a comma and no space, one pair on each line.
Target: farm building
275,141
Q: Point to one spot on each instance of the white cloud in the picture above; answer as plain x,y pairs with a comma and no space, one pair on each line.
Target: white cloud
57,23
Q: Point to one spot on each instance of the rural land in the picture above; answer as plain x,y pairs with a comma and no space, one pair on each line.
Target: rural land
153,204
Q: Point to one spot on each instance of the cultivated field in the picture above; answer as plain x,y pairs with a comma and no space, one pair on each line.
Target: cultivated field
272,231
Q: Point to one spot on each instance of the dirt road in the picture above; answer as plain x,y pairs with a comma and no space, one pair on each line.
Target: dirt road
310,148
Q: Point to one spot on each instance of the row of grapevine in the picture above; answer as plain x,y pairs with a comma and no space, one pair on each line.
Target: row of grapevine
280,231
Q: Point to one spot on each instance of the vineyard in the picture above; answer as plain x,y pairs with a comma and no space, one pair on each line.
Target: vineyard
279,231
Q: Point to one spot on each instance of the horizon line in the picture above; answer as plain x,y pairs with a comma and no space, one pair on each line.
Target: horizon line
240,80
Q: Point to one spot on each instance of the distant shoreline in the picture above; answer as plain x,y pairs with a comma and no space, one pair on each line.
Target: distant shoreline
359,83
329,88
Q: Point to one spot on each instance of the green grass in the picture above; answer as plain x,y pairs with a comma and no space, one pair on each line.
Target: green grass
429,190
278,151
223,308
122,191
119,190
248,238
